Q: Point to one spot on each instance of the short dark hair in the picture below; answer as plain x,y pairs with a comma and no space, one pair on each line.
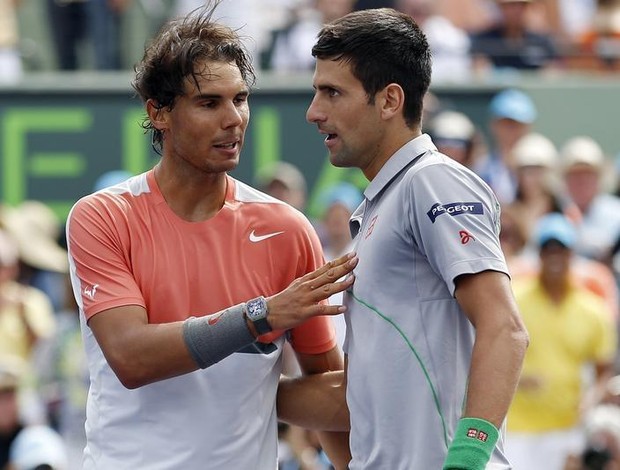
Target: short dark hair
383,46
173,54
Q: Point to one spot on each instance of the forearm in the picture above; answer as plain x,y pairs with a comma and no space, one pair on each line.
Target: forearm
138,358
336,446
141,353
494,374
315,402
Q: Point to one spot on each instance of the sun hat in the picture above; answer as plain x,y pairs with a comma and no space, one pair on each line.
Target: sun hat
36,229
535,149
452,125
582,151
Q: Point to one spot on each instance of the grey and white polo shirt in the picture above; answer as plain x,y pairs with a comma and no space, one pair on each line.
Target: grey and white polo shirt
426,220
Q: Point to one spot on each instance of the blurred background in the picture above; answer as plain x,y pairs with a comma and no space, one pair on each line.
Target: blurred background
525,92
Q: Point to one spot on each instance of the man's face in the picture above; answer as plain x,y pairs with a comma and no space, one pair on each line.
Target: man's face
205,128
582,184
508,131
555,260
341,111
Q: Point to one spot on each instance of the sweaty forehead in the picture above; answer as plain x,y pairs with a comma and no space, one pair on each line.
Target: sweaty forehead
215,78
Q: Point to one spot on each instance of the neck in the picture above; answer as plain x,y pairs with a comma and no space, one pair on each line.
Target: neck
392,143
556,288
193,197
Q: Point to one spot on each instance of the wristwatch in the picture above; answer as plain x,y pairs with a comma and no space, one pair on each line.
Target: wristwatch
256,310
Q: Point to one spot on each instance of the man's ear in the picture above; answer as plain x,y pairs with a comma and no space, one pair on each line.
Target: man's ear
392,101
157,114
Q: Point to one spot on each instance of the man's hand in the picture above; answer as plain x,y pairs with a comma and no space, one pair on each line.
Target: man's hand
302,299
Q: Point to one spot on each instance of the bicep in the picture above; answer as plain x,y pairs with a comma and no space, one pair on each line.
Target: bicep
115,327
139,352
487,299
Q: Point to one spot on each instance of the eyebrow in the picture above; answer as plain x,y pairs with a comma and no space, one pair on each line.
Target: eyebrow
216,96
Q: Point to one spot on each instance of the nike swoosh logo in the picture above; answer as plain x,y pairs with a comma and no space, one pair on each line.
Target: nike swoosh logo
259,238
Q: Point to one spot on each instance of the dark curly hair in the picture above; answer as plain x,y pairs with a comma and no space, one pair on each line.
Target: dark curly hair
174,53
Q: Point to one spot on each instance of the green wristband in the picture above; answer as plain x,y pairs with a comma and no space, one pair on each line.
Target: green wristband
472,446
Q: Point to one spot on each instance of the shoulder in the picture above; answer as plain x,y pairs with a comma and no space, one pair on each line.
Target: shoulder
590,303
443,172
115,199
264,205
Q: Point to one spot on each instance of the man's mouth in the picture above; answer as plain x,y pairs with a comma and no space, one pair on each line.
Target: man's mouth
227,146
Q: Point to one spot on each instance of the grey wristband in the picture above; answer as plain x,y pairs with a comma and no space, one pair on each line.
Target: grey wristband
211,338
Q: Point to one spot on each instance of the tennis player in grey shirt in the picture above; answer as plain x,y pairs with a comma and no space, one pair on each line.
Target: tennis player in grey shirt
434,342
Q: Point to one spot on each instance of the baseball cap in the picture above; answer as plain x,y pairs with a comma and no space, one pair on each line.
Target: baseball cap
557,227
342,193
38,445
535,149
513,104
284,172
583,151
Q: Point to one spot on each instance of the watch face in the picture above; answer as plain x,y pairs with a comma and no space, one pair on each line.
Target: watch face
255,308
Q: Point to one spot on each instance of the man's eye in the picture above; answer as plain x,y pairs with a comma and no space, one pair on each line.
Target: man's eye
332,92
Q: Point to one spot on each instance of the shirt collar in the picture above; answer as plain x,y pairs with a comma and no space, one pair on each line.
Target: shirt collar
397,162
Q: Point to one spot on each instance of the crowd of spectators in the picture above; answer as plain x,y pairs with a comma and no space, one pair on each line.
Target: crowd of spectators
469,38
566,267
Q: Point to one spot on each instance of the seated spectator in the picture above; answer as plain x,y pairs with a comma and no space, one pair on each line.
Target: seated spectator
570,329
585,167
26,315
536,165
290,47
284,181
338,203
11,420
10,59
598,48
512,114
511,44
43,260
449,44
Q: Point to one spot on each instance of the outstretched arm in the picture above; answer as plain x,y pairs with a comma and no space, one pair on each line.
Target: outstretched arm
141,353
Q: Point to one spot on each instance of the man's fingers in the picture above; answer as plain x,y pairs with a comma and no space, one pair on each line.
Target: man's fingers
332,274
337,263
327,290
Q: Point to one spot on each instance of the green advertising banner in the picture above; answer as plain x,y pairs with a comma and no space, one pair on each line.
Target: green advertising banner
55,145
60,132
